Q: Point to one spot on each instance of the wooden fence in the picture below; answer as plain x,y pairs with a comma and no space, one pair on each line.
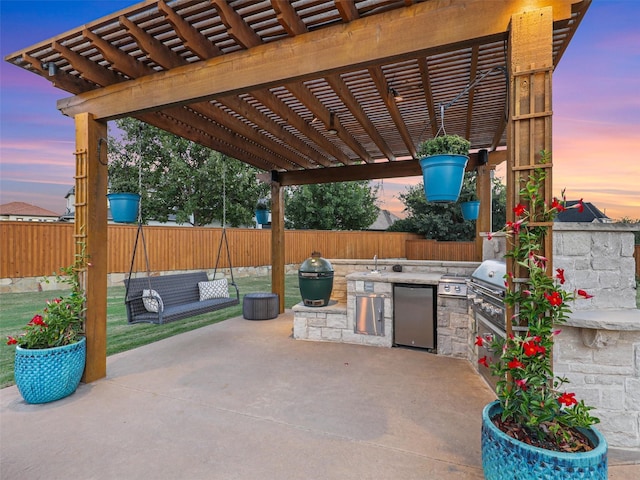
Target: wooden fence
38,249
434,250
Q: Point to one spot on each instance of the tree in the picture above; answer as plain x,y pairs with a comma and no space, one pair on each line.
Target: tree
332,206
181,178
443,221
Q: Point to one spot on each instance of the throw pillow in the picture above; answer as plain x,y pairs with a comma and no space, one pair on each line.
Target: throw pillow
213,289
152,301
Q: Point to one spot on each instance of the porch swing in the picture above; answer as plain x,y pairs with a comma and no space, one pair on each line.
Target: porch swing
165,298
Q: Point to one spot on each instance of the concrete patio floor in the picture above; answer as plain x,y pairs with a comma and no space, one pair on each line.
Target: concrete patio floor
243,400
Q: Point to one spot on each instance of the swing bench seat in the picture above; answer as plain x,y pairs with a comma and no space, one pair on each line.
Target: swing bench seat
179,294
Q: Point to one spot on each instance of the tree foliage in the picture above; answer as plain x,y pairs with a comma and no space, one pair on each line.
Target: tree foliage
181,178
443,221
332,206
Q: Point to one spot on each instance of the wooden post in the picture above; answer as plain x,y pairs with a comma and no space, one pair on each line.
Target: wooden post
277,241
530,64
91,234
483,189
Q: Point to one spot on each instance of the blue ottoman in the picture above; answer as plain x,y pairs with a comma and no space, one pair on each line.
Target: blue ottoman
260,306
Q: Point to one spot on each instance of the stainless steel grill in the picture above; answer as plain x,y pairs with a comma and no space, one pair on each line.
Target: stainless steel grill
487,290
486,294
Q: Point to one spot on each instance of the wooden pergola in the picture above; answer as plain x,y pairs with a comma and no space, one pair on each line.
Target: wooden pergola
311,91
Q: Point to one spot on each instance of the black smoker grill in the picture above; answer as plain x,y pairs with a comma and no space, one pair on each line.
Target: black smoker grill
315,279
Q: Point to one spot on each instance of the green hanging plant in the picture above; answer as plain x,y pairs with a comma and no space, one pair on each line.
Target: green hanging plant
444,145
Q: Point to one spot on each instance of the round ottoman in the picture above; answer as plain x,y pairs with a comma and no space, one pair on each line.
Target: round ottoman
260,306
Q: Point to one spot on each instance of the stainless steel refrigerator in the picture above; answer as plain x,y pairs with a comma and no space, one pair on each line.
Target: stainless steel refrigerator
414,315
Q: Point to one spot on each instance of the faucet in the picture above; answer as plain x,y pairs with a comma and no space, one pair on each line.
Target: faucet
375,270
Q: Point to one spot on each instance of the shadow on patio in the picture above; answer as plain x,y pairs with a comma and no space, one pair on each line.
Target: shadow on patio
243,400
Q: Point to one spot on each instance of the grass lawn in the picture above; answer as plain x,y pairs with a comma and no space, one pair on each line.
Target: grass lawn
19,308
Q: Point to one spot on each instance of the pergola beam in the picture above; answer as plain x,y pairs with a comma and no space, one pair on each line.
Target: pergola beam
371,171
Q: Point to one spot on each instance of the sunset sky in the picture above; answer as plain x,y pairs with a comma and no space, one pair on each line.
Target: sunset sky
596,104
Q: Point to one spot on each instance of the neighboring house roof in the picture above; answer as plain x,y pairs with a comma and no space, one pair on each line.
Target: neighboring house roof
590,214
25,209
385,220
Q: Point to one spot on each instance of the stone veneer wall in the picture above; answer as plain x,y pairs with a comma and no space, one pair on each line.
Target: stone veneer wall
599,348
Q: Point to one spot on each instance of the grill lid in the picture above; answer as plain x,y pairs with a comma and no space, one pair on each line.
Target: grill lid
316,264
491,273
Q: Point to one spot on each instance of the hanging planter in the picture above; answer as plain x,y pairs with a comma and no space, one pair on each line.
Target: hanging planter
262,212
262,217
470,210
124,207
443,162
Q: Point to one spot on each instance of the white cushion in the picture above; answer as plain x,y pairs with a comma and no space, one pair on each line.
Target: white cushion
152,301
213,289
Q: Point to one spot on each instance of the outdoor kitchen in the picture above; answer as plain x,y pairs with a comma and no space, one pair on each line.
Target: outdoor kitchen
599,349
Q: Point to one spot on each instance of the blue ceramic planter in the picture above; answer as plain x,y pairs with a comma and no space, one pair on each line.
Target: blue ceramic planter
443,176
262,216
124,207
504,458
49,374
470,210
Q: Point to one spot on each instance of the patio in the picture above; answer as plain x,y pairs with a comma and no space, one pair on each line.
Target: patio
243,400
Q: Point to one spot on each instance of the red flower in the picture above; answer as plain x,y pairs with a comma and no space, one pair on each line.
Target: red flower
37,320
483,361
567,399
11,341
555,299
531,348
560,275
515,226
515,363
519,210
479,341
557,205
521,383
584,294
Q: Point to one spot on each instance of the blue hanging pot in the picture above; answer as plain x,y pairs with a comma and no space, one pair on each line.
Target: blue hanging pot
443,176
470,210
262,216
124,207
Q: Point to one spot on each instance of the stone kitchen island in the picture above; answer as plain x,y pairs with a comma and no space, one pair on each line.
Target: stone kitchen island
338,321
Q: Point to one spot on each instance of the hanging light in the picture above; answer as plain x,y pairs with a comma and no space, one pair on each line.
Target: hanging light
395,94
51,67
332,127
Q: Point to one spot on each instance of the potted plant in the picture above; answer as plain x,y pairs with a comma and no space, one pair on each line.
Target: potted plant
51,352
262,211
443,160
123,200
469,203
536,428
